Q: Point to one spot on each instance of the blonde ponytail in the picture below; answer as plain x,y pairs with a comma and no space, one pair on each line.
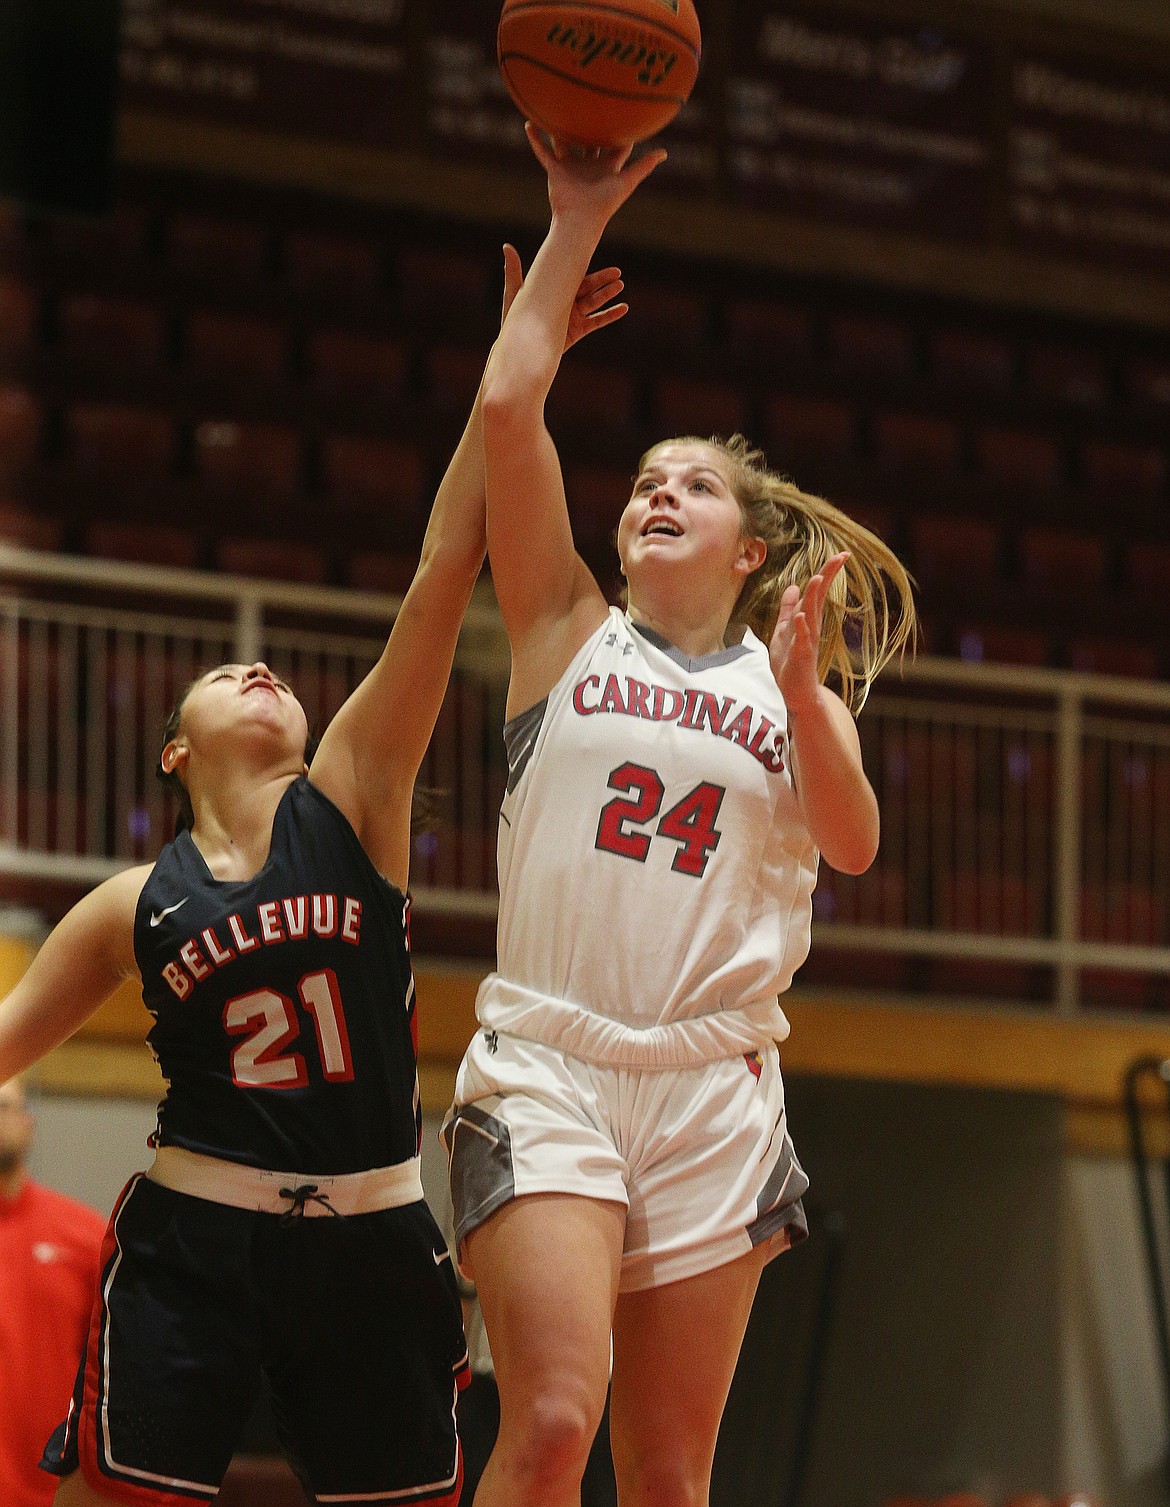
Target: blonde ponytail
869,616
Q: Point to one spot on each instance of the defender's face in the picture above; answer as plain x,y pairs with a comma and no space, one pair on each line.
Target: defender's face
682,510
234,701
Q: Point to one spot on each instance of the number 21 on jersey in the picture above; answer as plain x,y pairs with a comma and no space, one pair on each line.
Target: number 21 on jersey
267,1020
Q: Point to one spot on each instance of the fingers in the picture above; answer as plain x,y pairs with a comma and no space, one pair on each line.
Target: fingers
513,279
589,300
545,155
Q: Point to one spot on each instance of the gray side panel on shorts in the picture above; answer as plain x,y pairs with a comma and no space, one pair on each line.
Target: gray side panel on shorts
479,1149
779,1205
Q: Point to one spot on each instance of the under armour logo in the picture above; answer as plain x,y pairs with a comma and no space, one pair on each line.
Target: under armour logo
611,640
493,1041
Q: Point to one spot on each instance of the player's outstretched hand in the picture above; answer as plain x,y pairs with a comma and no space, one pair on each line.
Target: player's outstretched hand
796,640
593,308
592,184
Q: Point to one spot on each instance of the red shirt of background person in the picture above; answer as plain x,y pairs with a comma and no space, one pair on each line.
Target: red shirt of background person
49,1251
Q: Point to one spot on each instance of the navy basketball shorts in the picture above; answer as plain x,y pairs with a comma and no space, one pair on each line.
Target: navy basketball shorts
355,1320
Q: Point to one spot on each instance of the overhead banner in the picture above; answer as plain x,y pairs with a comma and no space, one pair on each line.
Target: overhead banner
861,120
331,69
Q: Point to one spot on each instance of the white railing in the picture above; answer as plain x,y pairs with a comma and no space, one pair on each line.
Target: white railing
1026,813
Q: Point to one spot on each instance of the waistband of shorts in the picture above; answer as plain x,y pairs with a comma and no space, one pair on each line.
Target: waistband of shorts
313,1194
514,1010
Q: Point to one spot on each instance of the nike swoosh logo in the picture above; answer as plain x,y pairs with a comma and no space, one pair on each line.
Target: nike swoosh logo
155,919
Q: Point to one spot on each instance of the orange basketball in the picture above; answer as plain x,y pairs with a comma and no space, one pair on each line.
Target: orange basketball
599,75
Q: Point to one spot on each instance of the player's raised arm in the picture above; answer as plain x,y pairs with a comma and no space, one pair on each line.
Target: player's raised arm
370,755
539,579
83,960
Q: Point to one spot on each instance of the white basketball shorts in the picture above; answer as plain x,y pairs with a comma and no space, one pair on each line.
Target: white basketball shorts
700,1156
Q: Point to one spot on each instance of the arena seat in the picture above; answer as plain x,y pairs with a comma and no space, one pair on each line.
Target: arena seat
253,461
205,246
917,444
145,543
998,643
593,399
870,345
1147,568
30,528
378,570
596,496
683,405
450,287
1146,380
119,441
954,553
349,365
1018,459
21,427
123,332
216,344
271,559
316,262
374,477
117,241
799,429
1061,562
19,312
1127,478
1065,375
667,317
767,332
971,361
1113,656
453,377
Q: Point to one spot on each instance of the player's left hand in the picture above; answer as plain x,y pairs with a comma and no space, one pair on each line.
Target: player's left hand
592,308
796,641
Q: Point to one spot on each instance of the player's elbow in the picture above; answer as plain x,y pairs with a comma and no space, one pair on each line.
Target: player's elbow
852,845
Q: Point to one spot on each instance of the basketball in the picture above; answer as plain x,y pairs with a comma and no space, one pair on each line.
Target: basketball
599,75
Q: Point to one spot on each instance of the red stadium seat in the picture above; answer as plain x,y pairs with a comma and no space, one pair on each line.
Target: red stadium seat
120,442
1065,374
1147,568
248,459
1147,380
1113,656
204,246
452,284
347,364
19,311
995,643
1019,459
146,543
954,553
29,529
1128,913
454,375
234,345
800,429
596,496
685,406
1125,475
364,475
592,397
322,263
21,427
666,318
271,559
769,331
971,361
377,570
916,443
1061,562
120,331
870,345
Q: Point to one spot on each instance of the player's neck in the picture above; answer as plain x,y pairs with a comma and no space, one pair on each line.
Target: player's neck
233,822
693,633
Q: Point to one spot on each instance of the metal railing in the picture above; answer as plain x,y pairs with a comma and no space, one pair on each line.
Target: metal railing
1025,812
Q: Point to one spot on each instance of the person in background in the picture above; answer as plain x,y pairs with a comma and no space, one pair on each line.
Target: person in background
49,1251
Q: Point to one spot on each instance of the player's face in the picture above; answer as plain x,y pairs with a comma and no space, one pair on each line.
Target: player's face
249,701
16,1127
682,510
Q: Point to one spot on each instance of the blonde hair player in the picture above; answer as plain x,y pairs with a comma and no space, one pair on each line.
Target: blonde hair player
281,1227
618,1145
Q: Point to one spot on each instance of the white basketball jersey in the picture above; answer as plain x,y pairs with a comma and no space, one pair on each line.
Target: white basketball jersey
655,865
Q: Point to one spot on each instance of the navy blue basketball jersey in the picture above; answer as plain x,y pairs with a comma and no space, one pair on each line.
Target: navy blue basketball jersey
283,1005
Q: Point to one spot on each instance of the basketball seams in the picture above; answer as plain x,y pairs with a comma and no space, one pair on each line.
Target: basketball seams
586,10
573,78
526,6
